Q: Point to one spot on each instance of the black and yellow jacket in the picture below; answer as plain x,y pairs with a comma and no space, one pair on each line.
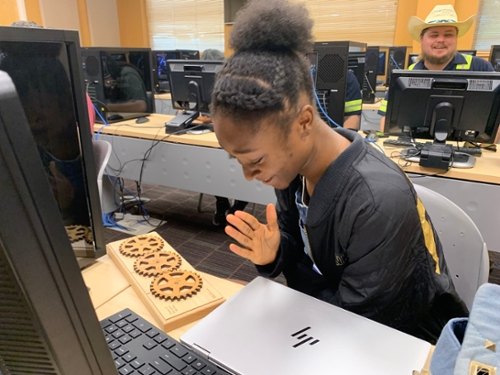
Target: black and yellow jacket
373,242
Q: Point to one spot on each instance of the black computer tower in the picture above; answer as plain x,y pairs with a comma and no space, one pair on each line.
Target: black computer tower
92,73
331,61
396,60
370,79
495,57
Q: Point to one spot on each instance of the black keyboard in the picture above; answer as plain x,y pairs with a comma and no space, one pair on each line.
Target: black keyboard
477,151
139,348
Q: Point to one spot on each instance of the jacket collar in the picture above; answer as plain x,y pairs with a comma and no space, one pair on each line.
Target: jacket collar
457,60
329,187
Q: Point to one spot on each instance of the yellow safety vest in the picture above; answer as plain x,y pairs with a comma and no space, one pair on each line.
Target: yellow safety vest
466,66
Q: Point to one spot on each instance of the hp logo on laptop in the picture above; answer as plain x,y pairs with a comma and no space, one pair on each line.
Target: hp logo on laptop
304,338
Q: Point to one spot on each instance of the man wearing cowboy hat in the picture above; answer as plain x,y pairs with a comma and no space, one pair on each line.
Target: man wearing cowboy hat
438,36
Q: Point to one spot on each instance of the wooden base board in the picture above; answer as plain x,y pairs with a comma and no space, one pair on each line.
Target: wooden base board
168,314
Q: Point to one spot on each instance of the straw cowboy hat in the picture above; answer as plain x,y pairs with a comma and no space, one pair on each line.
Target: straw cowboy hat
441,15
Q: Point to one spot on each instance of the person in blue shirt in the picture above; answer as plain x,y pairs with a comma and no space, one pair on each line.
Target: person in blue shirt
438,36
352,111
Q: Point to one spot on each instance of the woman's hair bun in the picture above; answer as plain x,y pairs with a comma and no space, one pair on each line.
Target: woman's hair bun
272,25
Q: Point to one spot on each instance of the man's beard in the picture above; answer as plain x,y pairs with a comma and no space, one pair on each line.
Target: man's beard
439,60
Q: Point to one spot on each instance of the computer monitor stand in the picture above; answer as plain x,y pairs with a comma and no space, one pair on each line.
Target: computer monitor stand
181,121
457,159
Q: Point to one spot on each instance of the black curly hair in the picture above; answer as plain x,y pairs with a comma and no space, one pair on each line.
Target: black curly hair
269,69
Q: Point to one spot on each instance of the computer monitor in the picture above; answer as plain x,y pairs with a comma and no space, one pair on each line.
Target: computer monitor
45,67
47,322
444,105
119,81
382,62
161,79
191,85
495,57
471,52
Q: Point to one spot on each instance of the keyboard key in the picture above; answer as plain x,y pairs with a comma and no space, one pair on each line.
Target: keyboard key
137,363
150,345
125,339
114,345
121,351
173,361
160,338
109,339
121,323
198,365
160,366
119,316
190,358
168,344
148,370
104,323
135,333
209,370
111,329
153,332
179,351
118,334
128,328
119,363
189,371
126,370
142,326
129,357
132,318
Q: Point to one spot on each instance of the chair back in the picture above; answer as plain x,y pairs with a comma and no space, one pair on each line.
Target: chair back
102,153
463,246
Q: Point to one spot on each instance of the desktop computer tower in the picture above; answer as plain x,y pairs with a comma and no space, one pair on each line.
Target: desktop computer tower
93,76
396,60
330,60
370,79
495,57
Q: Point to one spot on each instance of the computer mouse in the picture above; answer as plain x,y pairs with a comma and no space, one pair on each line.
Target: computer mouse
372,136
115,117
141,120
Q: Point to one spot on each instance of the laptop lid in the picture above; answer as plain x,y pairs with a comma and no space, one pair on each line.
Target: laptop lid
268,328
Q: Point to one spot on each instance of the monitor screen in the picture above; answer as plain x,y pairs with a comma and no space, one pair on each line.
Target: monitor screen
119,81
47,322
192,82
495,58
43,65
162,58
465,105
381,63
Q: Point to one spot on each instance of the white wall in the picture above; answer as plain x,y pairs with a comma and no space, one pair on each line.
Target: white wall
60,14
103,23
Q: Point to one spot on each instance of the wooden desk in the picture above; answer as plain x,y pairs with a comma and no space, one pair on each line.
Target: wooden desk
190,162
110,294
164,96
475,190
372,106
381,88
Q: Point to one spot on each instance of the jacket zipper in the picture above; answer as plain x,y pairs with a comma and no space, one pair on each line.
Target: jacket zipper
309,245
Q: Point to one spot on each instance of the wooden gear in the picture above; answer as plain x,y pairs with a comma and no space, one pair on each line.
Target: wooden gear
156,263
141,245
176,285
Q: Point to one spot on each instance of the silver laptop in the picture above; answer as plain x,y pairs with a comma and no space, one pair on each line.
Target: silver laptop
268,328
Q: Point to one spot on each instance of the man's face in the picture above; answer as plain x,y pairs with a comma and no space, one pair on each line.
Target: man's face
439,44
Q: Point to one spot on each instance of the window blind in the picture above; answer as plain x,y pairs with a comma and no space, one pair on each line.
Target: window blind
186,24
487,25
369,21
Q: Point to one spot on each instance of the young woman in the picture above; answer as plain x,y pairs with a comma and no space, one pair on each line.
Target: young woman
348,227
